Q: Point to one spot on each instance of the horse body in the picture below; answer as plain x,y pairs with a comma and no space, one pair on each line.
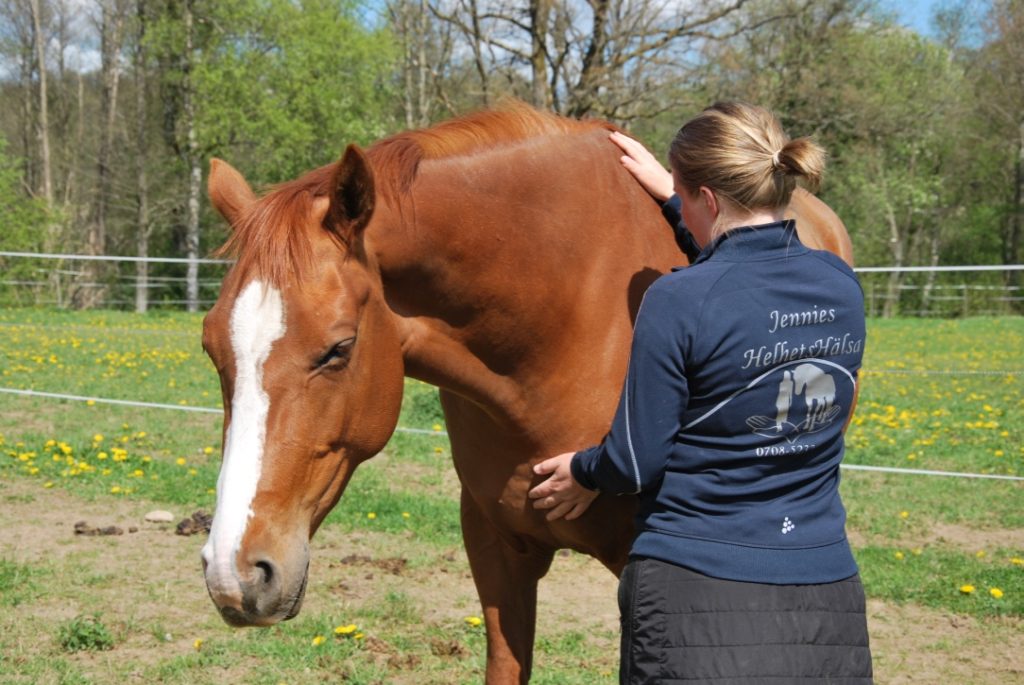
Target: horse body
501,258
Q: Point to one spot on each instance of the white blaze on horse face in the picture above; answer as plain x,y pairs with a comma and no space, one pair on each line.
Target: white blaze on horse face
257,321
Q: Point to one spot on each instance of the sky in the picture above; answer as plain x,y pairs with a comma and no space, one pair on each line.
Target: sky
914,14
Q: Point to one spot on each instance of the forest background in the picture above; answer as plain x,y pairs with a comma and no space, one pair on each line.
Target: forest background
111,109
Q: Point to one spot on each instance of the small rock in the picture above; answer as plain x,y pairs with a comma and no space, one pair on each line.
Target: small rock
159,516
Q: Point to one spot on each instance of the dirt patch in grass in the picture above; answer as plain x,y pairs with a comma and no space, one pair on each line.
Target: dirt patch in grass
149,587
973,540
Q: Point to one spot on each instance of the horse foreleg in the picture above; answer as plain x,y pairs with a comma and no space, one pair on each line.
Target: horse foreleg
506,574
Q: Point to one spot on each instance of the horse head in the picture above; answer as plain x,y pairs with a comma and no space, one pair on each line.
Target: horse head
311,372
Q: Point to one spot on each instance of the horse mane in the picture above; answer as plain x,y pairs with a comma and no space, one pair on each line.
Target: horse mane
271,238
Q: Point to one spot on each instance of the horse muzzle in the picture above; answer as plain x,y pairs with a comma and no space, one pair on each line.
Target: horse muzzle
257,592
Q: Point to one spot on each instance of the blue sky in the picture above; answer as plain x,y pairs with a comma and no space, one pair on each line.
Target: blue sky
914,14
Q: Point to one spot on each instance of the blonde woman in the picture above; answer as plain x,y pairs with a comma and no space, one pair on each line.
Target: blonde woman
741,571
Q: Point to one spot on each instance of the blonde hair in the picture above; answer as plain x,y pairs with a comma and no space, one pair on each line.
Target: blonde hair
741,153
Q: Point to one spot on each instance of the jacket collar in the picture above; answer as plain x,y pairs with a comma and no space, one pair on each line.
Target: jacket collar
747,243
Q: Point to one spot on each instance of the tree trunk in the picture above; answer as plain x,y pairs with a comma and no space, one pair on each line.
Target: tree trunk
111,33
142,187
892,293
195,172
540,12
44,123
929,286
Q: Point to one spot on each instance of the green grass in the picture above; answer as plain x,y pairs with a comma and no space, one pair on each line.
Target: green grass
929,400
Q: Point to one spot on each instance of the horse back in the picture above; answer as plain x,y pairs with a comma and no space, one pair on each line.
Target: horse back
818,226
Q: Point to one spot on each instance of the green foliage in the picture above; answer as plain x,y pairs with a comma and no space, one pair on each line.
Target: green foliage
23,222
85,634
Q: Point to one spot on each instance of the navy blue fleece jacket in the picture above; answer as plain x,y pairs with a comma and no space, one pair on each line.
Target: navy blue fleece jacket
730,425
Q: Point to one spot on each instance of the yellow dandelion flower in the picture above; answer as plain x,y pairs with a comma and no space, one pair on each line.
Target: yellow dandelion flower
345,630
319,640
405,514
904,514
995,592
898,555
917,551
138,473
115,490
90,403
358,636
101,456
473,621
966,589
371,515
180,461
1017,561
980,554
140,434
48,484
998,453
207,450
197,644
436,427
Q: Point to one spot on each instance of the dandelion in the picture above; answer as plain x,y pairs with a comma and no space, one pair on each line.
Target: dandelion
436,427
980,554
345,630
358,636
904,514
48,484
438,450
1017,561
101,456
197,644
90,403
966,589
319,640
995,592
180,461
371,515
917,551
898,555
405,514
473,621
115,490
207,450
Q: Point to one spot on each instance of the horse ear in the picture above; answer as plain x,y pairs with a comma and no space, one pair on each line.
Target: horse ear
229,192
351,193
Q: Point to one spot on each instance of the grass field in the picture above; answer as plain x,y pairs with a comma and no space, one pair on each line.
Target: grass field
942,558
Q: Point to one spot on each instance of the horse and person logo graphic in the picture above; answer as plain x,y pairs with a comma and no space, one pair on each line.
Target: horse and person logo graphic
792,418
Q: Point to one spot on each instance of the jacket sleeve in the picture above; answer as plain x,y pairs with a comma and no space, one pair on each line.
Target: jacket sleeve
672,211
633,455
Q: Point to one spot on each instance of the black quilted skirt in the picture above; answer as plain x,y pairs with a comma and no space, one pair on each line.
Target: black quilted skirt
679,626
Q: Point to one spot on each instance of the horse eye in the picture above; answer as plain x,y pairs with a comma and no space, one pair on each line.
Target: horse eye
339,352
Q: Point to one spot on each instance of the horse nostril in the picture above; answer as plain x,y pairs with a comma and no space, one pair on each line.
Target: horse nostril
267,571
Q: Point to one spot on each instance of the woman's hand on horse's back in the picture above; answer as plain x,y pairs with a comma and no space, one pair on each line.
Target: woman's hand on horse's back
560,492
646,169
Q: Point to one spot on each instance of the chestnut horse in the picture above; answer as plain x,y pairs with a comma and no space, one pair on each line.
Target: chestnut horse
501,257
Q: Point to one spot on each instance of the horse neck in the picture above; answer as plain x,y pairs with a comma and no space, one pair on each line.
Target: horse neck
496,262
